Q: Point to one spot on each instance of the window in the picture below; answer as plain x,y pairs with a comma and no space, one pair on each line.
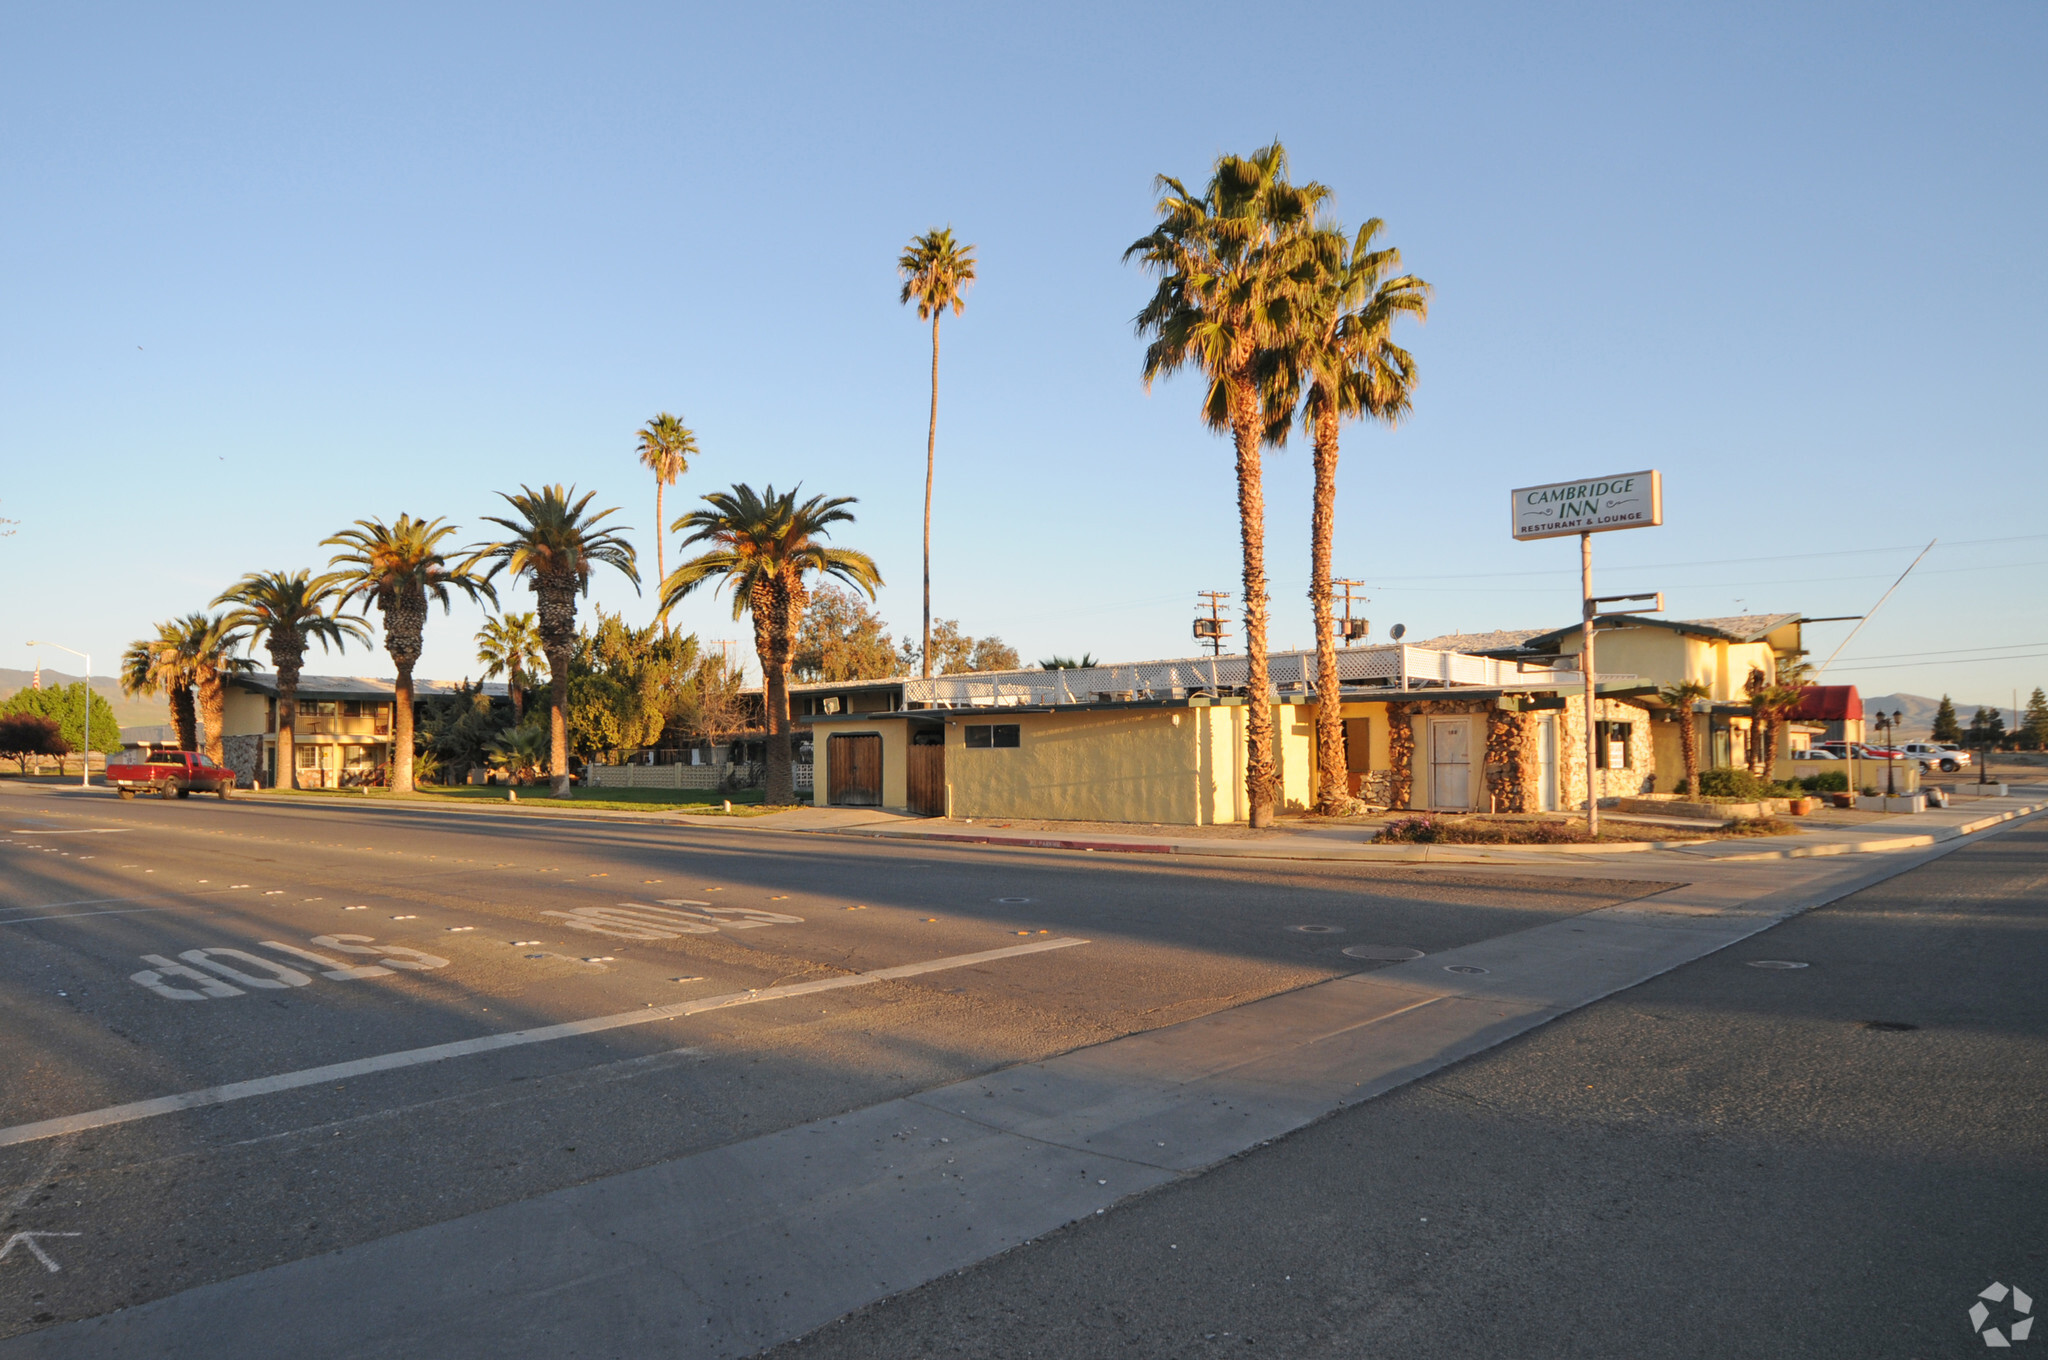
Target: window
351,708
1610,745
983,736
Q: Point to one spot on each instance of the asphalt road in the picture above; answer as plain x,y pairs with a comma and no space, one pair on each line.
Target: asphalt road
382,931
1727,1160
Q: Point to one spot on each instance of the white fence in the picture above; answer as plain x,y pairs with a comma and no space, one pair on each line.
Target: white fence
1397,666
681,776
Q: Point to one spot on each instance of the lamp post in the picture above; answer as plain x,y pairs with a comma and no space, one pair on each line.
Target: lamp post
85,719
1888,723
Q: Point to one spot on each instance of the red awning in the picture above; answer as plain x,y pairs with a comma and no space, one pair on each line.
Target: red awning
1829,703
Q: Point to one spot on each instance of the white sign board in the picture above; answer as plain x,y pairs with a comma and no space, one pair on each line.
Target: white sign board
1633,500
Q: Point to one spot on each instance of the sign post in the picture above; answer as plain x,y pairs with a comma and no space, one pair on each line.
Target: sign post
1594,505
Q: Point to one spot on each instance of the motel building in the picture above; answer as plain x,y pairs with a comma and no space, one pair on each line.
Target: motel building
343,732
1465,723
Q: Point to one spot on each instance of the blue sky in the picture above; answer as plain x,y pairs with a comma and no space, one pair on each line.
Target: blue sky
271,271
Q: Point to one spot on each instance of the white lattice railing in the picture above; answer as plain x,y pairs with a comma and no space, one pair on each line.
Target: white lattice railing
1396,665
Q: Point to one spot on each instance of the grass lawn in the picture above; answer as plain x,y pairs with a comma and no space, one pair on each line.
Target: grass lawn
695,802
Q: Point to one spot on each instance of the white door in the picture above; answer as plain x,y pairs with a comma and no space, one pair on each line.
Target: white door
1450,763
1546,763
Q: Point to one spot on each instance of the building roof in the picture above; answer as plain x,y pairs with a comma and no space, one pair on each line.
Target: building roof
1482,644
1827,703
1727,628
358,686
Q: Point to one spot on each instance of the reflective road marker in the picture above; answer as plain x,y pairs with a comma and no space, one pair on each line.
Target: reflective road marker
488,1043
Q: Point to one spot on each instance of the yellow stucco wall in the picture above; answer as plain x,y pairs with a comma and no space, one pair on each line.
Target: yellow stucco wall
243,712
1658,656
1129,766
895,735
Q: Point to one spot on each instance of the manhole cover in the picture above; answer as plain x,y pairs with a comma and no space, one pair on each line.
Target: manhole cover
1318,930
1384,953
1465,968
1774,963
1012,901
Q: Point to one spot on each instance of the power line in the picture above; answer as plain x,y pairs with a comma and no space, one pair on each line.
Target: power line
1957,661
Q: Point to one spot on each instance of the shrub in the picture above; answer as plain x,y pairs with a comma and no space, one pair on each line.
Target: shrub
1827,781
1427,830
1739,784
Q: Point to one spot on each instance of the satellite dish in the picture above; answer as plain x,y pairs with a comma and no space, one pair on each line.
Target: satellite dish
1398,631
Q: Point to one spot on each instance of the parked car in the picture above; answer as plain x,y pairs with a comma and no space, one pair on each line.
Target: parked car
169,774
1937,755
1817,753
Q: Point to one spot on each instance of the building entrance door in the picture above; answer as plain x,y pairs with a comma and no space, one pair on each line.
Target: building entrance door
1450,763
1546,763
855,771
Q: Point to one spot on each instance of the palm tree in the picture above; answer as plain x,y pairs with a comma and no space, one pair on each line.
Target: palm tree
509,645
554,545
287,612
1342,350
764,544
1226,261
666,448
936,271
155,666
1681,697
401,567
206,646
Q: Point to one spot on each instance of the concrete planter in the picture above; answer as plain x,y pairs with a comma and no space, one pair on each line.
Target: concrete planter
1911,802
1976,790
1668,806
1870,802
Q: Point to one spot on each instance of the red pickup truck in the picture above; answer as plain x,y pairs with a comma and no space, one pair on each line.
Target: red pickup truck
170,774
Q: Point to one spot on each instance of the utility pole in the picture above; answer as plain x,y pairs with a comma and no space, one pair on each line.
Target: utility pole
1354,629
1211,629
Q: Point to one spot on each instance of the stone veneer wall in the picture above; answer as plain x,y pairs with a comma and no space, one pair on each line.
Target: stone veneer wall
242,755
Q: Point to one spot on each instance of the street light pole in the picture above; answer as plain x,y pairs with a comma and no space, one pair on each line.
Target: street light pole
85,718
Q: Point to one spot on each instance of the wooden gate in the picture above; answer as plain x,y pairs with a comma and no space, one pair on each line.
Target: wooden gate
928,780
854,777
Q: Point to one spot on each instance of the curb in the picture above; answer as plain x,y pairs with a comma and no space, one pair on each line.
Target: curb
1445,854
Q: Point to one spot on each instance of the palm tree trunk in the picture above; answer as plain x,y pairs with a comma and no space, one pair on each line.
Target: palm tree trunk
1689,749
212,708
1333,784
558,721
184,717
287,726
931,447
401,727
781,607
660,547
1248,431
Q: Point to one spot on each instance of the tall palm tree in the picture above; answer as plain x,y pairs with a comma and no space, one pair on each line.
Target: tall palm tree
764,544
156,666
553,544
1226,261
286,612
509,645
1341,350
1681,697
206,646
936,271
666,448
401,567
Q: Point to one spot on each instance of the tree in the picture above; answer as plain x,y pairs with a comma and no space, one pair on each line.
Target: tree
206,646
1987,728
1945,728
666,448
1341,351
624,684
456,730
842,639
1067,663
2034,726
554,544
61,706
401,567
286,612
1680,698
509,645
714,704
953,652
936,272
24,734
1226,296
153,667
765,543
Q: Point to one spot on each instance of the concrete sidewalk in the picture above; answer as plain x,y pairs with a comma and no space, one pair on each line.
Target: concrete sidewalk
1904,832
726,1252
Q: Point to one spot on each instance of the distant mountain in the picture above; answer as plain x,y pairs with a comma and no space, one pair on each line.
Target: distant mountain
1919,711
127,712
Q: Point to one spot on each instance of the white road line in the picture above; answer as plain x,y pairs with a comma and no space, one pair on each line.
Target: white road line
111,911
488,1043
70,831
80,902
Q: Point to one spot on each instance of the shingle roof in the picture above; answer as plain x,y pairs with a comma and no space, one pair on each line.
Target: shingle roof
1481,644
